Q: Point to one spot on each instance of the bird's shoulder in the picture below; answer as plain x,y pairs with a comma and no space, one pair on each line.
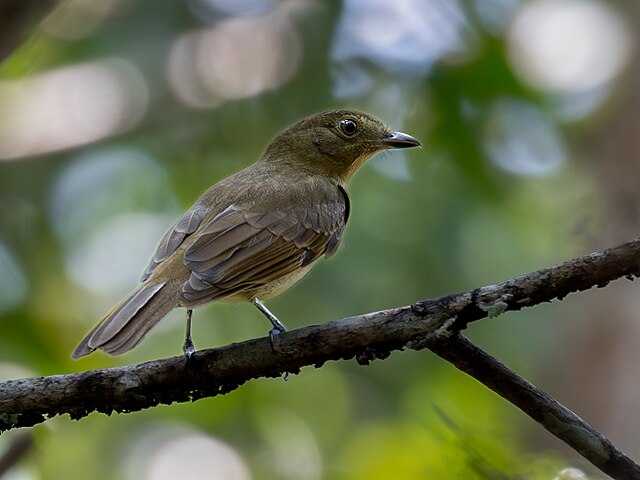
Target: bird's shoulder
265,185
264,196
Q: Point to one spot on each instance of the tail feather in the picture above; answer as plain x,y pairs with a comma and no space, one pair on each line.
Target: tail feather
128,323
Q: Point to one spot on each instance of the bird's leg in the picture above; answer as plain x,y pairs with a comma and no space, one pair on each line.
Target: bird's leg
277,326
189,348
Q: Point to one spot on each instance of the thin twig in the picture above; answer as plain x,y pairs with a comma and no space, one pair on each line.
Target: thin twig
22,444
540,406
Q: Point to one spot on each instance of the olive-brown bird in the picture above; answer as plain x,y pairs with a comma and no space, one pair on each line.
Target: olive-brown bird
256,233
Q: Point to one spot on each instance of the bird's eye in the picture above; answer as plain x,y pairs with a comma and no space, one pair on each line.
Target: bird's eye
348,126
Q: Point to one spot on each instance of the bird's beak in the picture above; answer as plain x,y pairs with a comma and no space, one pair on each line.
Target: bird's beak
400,140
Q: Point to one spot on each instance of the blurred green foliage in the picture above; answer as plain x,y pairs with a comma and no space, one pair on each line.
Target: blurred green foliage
442,219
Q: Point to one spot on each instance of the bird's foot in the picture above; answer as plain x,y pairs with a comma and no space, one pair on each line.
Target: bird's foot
274,332
189,347
278,327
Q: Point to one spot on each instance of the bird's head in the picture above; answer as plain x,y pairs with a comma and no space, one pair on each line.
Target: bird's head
335,143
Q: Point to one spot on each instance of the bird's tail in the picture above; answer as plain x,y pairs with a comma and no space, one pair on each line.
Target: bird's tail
127,323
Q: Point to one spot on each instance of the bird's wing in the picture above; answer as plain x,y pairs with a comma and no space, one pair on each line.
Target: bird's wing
184,227
241,249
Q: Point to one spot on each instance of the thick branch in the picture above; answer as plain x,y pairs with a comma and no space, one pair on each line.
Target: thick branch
217,371
27,402
553,416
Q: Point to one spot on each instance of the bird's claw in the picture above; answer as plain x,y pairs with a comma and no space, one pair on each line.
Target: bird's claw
273,333
189,349
277,329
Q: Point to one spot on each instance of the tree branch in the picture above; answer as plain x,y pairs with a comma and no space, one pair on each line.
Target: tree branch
553,416
23,443
30,401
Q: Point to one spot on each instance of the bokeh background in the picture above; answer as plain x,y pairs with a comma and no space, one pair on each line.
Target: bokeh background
115,115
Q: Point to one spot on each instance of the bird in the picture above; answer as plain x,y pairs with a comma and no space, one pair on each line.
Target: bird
255,233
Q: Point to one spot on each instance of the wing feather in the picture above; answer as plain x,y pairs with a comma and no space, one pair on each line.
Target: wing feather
172,240
240,249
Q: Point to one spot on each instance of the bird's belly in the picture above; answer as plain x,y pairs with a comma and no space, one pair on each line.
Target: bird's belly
271,289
